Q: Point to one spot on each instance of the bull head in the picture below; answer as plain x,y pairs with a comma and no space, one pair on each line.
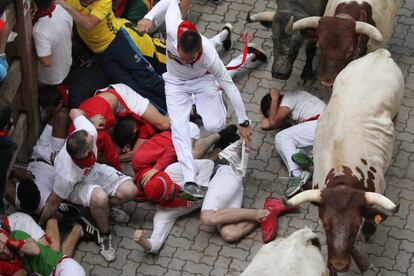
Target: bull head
339,42
341,209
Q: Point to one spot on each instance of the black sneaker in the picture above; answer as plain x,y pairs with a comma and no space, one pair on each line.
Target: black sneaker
227,43
227,136
252,48
68,211
90,232
191,191
195,117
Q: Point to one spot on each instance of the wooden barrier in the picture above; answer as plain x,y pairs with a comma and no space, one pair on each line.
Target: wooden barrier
20,86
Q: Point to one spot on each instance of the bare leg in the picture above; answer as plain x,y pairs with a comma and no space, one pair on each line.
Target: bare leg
69,244
184,5
232,215
126,192
202,145
213,155
100,209
236,231
52,230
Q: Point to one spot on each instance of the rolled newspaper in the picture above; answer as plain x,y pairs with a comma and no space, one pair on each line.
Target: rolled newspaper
237,155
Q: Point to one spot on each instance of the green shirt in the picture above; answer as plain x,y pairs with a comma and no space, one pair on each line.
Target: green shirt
44,263
135,10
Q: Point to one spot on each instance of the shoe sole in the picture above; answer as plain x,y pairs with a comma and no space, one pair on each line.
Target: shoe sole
228,43
188,196
303,183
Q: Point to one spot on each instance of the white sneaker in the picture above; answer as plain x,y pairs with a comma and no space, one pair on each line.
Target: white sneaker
118,215
107,250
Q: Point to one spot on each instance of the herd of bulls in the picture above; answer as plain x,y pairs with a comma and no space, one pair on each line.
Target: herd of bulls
354,136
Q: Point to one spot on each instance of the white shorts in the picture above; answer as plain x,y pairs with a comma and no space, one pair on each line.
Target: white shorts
225,190
24,222
69,267
101,176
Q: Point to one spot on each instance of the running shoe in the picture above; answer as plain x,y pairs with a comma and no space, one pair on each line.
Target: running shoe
118,215
90,232
68,211
227,43
107,250
259,54
191,191
296,183
303,160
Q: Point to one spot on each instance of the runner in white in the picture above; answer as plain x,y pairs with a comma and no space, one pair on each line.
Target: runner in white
304,109
79,179
193,67
165,217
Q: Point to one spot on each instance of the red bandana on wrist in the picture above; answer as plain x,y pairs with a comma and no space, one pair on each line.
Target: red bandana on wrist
187,26
43,12
85,162
4,133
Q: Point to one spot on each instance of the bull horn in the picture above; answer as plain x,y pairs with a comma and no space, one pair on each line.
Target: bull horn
305,196
266,16
380,200
289,26
369,30
308,22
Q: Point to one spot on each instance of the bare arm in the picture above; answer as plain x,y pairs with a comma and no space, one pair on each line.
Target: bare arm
87,22
46,61
277,114
30,248
50,208
156,119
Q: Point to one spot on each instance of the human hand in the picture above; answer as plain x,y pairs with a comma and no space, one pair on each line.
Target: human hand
191,203
3,237
246,133
22,173
144,25
147,176
62,3
98,121
139,235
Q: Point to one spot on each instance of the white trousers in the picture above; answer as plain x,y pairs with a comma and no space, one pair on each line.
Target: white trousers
165,218
69,267
290,140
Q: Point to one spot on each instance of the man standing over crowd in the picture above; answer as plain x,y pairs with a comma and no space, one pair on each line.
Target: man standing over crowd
193,68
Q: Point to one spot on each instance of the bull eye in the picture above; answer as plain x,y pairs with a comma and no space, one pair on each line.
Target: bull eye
316,242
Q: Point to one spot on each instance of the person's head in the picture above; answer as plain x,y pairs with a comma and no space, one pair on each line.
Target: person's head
50,99
28,195
159,188
79,144
265,105
6,119
189,46
125,134
43,4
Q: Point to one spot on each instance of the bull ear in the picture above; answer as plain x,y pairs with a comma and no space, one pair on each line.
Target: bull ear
369,30
374,214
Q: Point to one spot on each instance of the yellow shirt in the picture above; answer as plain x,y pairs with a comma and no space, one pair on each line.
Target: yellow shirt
101,36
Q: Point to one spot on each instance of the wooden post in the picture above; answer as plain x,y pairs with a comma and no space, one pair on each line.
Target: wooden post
28,87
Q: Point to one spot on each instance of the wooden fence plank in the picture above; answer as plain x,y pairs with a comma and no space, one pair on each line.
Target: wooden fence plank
11,84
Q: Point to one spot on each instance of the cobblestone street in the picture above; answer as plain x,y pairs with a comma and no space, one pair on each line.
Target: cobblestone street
192,249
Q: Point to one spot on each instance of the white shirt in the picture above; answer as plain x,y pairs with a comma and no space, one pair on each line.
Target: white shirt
135,102
67,173
209,61
302,104
52,36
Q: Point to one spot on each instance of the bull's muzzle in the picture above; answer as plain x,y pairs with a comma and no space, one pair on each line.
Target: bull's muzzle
282,68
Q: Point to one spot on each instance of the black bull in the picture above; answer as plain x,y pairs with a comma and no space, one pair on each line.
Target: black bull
286,45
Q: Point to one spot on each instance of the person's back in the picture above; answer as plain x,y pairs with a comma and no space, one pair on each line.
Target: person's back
52,37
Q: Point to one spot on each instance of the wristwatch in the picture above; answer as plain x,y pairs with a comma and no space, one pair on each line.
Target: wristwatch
246,123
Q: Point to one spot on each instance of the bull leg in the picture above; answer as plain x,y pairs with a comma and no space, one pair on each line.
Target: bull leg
360,260
307,73
368,229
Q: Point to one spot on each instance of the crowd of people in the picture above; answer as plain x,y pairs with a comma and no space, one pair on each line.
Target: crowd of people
132,82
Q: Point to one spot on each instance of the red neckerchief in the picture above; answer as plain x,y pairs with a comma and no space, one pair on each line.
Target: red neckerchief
4,133
63,89
188,26
86,162
42,13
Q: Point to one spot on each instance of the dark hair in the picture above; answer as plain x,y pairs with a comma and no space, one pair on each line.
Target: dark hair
49,96
76,143
3,5
123,133
5,113
190,42
43,4
265,105
28,195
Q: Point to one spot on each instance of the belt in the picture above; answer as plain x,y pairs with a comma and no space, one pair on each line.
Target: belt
39,160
